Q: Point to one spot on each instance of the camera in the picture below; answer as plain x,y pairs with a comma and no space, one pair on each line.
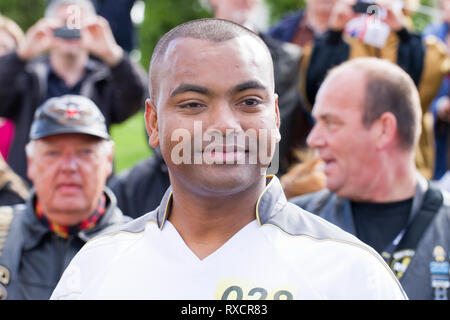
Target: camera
363,7
66,33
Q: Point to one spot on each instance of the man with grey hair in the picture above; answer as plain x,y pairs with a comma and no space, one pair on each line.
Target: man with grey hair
367,127
69,159
83,59
224,229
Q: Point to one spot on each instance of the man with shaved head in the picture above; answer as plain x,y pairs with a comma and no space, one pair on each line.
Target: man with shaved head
224,230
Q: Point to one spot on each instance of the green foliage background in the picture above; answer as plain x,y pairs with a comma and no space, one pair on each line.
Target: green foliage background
163,15
24,12
160,17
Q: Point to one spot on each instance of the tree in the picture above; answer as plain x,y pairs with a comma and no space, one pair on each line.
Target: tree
279,8
160,17
24,12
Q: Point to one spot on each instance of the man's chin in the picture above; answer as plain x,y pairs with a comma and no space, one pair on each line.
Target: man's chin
68,218
226,179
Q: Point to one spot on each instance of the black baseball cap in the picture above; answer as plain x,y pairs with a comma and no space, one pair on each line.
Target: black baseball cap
68,114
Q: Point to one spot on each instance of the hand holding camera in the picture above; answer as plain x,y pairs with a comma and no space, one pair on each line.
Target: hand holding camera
96,37
342,13
443,109
385,11
38,39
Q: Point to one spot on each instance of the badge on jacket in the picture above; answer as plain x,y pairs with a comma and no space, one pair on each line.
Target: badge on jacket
439,272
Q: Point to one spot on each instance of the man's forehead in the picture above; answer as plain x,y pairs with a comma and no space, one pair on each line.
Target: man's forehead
350,84
199,61
234,47
341,92
72,14
190,57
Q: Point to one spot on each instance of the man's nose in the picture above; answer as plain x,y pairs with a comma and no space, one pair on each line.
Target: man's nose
224,119
315,138
69,162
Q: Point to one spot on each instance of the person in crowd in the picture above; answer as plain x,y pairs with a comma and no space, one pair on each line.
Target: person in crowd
118,14
69,156
368,122
12,188
83,58
10,37
424,60
227,224
440,107
303,26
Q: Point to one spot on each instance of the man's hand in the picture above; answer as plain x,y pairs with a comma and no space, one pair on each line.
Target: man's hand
395,17
38,39
443,109
342,13
98,38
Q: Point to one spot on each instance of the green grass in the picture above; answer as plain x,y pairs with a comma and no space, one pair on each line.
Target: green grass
131,142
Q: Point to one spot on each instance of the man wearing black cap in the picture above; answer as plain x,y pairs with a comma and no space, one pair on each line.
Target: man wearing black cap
69,159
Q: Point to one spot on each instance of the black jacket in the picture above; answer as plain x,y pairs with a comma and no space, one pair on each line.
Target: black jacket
35,257
295,121
140,189
331,50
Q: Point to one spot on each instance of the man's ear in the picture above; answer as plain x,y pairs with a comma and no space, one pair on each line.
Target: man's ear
277,119
151,123
31,168
385,128
111,158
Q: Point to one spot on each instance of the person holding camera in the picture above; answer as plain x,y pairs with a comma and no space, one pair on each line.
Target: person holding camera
83,58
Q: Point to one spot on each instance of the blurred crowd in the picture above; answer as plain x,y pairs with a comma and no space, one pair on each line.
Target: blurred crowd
91,58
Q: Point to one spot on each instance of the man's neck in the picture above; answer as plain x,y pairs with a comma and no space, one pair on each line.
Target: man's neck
206,223
69,68
394,181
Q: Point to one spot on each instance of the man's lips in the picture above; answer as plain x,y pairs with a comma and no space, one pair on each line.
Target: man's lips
225,148
68,187
225,154
329,163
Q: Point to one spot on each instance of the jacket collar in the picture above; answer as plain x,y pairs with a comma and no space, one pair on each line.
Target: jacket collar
40,68
271,201
36,230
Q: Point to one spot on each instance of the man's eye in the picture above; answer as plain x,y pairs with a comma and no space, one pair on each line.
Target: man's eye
52,153
250,102
331,124
85,151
